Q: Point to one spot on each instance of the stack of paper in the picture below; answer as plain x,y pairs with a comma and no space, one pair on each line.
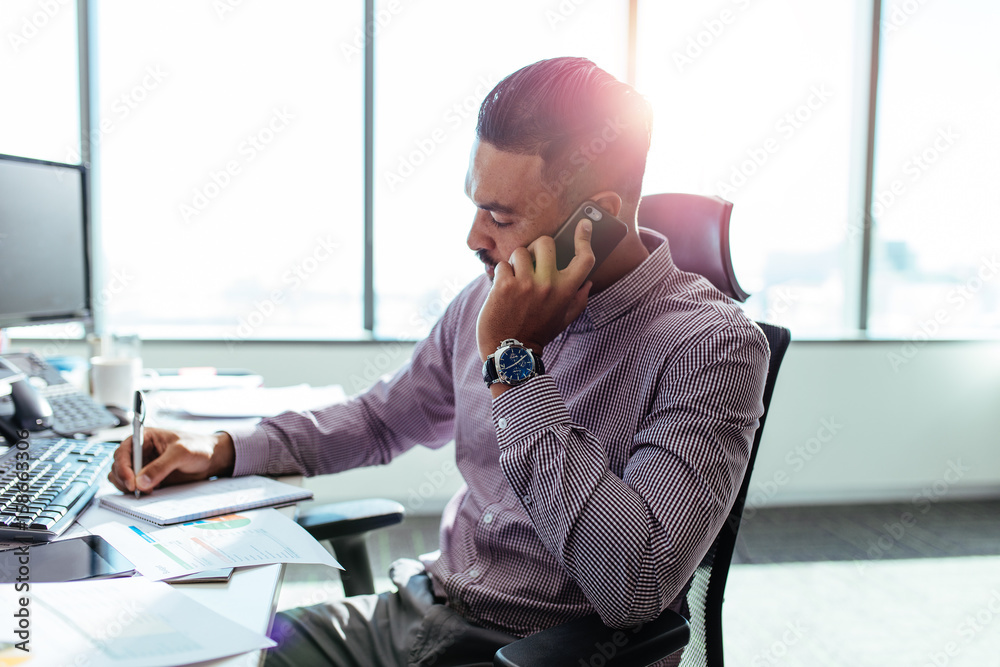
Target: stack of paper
118,623
259,537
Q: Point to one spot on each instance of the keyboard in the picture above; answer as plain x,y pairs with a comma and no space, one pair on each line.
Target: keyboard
62,477
73,412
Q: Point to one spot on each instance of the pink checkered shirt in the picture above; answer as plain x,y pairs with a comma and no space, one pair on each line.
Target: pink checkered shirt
598,486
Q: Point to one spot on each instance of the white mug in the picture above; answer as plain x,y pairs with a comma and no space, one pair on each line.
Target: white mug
113,381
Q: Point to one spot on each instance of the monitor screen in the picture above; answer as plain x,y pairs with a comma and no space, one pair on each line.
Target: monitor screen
43,243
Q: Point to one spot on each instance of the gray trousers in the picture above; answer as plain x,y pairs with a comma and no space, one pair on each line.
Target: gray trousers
405,628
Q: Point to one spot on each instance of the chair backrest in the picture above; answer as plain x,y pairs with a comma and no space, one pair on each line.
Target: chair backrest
706,593
697,229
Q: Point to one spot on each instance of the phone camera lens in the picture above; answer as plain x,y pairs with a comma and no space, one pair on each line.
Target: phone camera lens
592,213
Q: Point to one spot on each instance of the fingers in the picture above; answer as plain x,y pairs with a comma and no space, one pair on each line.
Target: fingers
583,260
121,469
543,249
502,271
521,261
162,466
162,453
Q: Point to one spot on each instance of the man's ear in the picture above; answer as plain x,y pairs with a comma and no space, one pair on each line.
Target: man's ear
609,200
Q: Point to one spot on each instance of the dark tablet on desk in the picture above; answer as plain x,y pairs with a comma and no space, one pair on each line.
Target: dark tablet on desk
87,557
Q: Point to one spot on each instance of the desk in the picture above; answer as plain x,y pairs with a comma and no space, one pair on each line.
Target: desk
251,595
248,598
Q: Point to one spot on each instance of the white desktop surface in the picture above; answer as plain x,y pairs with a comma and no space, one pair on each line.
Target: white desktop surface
251,594
248,598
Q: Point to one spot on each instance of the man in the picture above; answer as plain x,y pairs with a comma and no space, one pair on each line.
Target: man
596,484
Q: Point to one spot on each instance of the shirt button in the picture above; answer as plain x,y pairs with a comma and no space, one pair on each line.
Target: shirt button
488,517
473,574
526,499
502,422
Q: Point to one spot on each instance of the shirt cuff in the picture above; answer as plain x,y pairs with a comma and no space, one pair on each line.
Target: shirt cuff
527,409
252,449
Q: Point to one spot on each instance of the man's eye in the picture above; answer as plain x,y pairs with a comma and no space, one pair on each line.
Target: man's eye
497,223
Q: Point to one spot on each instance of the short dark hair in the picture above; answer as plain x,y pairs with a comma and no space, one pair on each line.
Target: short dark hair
591,130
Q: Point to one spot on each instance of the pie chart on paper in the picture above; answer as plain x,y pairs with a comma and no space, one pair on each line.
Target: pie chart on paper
225,522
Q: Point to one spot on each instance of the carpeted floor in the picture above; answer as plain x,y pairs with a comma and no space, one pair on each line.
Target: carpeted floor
908,585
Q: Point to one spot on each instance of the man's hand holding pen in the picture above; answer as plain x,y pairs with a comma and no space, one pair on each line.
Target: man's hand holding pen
172,458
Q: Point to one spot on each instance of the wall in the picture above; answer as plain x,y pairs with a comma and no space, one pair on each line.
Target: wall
851,421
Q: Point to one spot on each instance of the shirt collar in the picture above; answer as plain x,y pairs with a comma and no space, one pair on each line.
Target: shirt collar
632,288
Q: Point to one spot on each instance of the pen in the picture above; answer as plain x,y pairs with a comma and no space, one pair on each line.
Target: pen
137,420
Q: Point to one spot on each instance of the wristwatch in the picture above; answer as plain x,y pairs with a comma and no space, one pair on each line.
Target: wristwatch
512,364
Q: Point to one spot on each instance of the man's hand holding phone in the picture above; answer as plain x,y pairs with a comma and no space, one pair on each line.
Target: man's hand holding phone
532,300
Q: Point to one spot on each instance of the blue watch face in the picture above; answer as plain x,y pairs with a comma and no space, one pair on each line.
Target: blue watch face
515,365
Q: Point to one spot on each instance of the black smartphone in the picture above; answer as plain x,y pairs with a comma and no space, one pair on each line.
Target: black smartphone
608,233
74,559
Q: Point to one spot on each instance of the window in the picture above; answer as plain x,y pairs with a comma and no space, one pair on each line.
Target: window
40,113
230,157
231,169
934,265
39,68
752,103
433,69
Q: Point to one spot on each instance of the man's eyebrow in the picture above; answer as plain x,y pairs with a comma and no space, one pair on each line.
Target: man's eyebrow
497,207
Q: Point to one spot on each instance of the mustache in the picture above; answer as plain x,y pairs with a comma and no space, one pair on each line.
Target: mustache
485,258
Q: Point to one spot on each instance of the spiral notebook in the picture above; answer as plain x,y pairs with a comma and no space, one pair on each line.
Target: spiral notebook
199,500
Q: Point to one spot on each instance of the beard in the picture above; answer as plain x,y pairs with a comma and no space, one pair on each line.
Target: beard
491,266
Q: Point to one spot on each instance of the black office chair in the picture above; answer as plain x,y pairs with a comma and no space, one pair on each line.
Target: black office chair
697,228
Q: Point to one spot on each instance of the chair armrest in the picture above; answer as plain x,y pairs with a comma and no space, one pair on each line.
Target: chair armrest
583,640
351,517
345,525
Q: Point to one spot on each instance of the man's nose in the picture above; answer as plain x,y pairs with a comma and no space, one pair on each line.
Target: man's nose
479,238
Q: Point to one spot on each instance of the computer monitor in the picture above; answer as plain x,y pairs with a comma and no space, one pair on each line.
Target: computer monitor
44,258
